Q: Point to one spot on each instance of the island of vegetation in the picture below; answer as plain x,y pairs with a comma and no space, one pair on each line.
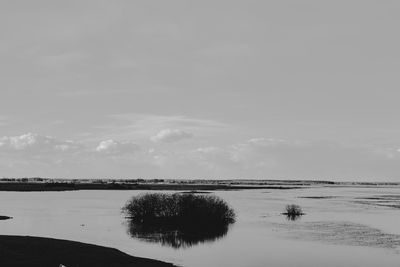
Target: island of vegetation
178,220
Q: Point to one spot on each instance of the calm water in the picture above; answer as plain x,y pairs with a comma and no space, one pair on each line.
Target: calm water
353,227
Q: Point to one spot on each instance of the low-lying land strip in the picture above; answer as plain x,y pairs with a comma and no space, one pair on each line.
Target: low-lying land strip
24,251
84,185
58,184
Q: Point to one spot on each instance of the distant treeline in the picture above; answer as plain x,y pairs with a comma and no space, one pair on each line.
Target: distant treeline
95,181
230,182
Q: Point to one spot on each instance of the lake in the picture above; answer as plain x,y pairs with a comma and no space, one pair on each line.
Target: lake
343,226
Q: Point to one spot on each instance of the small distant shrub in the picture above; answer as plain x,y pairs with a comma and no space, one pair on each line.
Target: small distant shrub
293,209
293,212
178,219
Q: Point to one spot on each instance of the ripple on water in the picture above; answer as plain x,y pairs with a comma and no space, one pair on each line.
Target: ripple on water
341,233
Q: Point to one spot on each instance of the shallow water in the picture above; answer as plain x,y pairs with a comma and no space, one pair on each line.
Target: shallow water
350,227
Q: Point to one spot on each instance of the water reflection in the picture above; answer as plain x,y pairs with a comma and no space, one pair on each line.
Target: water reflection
293,217
182,237
342,233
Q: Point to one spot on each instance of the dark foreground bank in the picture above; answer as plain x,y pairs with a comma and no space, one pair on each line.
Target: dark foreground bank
21,251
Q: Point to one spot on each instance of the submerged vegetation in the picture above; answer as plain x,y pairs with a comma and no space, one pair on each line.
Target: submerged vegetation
293,212
178,220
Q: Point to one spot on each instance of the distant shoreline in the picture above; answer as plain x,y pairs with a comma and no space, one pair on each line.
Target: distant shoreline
69,186
26,251
48,184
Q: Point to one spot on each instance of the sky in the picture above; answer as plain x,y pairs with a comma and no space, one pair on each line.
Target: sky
200,89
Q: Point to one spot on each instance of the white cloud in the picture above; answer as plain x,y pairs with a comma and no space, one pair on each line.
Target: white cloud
265,141
171,135
68,145
111,146
208,150
36,143
141,126
19,142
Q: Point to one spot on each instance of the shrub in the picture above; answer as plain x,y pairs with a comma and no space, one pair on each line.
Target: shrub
179,209
178,219
293,211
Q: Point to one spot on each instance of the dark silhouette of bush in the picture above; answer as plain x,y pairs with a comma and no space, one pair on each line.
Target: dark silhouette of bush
293,212
178,220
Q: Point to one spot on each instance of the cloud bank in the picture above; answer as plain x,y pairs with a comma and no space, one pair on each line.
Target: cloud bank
256,158
36,143
114,147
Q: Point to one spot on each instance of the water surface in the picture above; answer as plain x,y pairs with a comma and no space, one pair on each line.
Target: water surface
342,226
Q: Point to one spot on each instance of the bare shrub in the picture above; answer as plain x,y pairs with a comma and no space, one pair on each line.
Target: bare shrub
293,212
178,219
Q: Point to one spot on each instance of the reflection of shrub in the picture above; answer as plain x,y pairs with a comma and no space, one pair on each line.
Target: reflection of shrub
178,219
293,212
176,237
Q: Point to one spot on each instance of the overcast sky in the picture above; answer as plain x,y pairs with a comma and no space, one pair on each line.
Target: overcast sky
200,89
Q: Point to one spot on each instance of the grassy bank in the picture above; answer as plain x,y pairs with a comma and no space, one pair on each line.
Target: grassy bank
27,251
